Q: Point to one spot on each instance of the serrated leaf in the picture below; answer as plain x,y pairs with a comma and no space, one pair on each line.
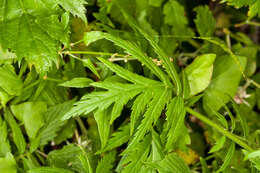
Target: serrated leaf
121,136
76,8
31,114
77,83
106,163
135,157
162,55
86,163
139,107
171,163
175,16
199,73
118,93
130,48
26,37
175,121
102,118
153,112
17,133
205,21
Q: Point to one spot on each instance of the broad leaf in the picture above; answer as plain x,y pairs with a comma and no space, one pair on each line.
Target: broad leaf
8,164
199,73
31,114
225,80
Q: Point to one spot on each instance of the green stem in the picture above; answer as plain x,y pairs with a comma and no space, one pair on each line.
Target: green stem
94,53
231,136
247,22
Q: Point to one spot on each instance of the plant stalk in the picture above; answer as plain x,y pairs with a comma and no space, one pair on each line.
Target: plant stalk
231,136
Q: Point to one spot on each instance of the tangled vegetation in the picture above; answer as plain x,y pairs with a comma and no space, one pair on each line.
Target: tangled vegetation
131,86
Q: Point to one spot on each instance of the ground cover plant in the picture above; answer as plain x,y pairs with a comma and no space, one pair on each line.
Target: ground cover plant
131,86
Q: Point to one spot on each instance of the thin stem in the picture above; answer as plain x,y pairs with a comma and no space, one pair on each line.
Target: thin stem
42,153
77,42
247,22
94,53
231,136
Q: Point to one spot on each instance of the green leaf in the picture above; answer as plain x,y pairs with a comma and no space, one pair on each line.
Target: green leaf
155,3
88,63
8,164
57,29
66,158
9,81
49,170
30,38
205,21
228,157
242,118
131,49
85,163
102,118
117,93
254,9
31,114
76,8
162,55
253,154
17,133
139,107
121,136
77,83
224,83
174,15
171,163
4,143
199,73
106,163
53,122
175,121
219,144
153,112
135,157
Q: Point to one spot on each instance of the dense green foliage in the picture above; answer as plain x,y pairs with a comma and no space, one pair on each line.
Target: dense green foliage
131,86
